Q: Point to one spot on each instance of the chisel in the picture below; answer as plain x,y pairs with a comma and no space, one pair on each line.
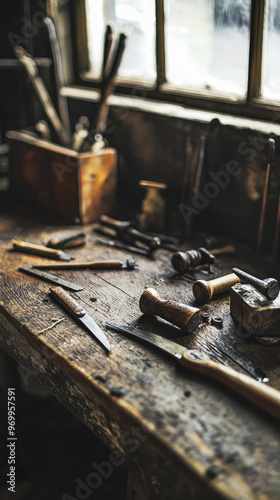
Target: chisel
23,246
267,398
95,264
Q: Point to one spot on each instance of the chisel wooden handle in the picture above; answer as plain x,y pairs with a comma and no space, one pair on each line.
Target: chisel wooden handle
204,290
185,317
261,395
22,246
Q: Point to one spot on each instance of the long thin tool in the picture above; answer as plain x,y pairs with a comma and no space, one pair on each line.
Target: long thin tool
270,158
79,314
51,278
267,398
27,60
58,74
93,264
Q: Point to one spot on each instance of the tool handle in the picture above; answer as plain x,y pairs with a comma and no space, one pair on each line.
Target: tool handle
70,241
118,225
70,304
22,246
182,261
204,290
260,394
102,264
185,317
108,40
153,242
226,250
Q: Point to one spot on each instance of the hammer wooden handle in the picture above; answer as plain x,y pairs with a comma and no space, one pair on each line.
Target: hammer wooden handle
260,394
22,246
185,317
226,250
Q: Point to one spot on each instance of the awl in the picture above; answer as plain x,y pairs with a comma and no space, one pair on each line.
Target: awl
91,264
79,314
261,395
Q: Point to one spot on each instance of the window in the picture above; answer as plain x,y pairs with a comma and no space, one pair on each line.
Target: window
216,54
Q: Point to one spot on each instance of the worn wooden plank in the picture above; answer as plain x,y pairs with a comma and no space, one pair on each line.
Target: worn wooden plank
195,434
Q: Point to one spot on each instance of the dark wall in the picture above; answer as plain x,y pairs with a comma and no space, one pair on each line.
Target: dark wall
154,147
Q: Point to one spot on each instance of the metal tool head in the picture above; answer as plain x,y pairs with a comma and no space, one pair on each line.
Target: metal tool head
268,287
130,264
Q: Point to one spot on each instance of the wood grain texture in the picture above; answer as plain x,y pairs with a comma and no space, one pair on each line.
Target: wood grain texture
186,436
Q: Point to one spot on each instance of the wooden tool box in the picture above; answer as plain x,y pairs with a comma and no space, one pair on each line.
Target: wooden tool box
79,187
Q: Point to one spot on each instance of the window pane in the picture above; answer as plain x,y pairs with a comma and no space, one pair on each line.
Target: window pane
137,19
271,48
207,44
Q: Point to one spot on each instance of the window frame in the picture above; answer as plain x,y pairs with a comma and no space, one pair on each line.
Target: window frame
253,105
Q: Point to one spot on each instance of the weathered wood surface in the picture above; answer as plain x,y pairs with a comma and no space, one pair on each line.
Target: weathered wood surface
185,436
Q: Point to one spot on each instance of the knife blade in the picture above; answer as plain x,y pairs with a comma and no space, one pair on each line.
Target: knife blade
56,280
256,392
79,314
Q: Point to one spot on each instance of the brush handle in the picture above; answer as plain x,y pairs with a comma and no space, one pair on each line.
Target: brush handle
185,317
258,393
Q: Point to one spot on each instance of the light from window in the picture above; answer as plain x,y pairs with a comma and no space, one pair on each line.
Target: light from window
207,44
137,19
271,50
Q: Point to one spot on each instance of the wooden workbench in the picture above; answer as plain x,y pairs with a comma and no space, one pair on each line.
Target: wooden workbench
183,436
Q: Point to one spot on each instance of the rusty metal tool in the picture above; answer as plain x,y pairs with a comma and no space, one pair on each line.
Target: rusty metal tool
58,74
256,314
263,396
27,60
51,253
270,159
204,290
96,264
269,287
182,261
185,317
126,232
51,278
68,240
80,315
